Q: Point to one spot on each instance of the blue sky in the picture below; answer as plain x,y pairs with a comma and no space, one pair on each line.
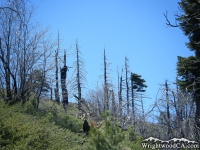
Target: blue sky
135,29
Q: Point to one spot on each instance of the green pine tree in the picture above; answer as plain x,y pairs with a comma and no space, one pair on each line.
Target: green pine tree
188,71
138,83
109,136
188,68
189,23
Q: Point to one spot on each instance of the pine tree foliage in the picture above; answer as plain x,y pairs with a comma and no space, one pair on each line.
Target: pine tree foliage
188,67
189,23
188,73
138,83
110,137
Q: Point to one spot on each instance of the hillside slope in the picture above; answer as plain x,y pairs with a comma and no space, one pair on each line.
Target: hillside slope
23,128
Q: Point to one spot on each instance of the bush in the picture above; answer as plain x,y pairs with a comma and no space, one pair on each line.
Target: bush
68,122
29,107
109,136
19,130
5,135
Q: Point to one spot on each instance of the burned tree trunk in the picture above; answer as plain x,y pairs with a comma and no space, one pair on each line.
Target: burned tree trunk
57,98
63,84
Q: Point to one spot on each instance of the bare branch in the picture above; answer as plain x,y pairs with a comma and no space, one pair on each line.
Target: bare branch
168,23
18,13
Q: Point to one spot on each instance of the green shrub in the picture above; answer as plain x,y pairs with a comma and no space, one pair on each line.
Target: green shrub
24,128
68,122
5,135
22,131
109,136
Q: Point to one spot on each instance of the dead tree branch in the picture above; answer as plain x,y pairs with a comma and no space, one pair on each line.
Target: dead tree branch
168,23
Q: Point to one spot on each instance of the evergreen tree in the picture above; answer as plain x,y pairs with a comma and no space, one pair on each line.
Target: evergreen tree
109,137
188,68
188,73
189,23
137,84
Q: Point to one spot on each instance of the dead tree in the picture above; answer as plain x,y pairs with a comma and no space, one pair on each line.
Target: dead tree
78,75
114,106
120,94
106,99
168,109
19,50
63,84
78,80
132,100
96,99
56,90
127,84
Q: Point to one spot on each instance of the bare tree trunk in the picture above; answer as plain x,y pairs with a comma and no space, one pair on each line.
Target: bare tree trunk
127,85
20,50
98,103
168,111
7,63
77,81
63,84
132,100
197,120
78,76
106,100
57,98
120,95
143,119
6,68
23,75
114,109
51,94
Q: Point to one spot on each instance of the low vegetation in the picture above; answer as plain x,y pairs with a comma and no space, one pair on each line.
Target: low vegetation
51,128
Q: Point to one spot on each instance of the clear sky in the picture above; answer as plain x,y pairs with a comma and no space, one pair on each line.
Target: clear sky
131,28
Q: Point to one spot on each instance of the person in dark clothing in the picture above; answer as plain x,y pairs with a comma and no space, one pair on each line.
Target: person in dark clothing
86,127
